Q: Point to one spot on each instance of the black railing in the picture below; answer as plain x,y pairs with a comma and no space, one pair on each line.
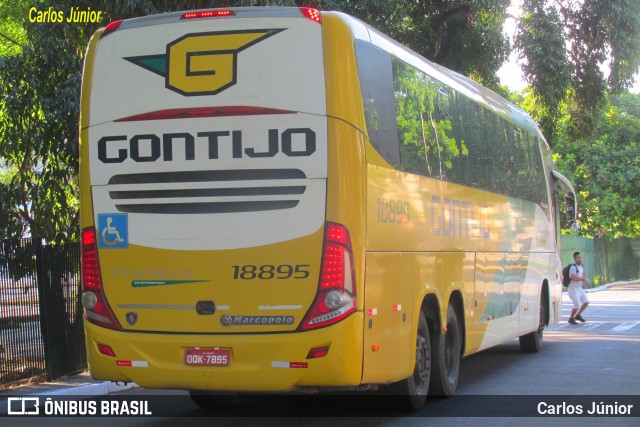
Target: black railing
41,332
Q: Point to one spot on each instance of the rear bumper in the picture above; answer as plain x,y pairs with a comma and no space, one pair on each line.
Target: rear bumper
157,360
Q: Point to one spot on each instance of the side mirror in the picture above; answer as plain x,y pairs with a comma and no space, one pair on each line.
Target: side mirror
570,213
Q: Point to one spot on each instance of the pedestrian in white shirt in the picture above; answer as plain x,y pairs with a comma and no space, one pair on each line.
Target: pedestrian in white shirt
576,291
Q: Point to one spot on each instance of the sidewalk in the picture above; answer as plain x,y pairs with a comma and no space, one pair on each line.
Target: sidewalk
82,384
610,285
74,385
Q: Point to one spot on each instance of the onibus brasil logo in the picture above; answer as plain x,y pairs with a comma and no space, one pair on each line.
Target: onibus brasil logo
202,63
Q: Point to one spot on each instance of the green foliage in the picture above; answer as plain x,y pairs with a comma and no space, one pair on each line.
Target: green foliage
39,99
605,169
583,40
463,35
426,147
12,34
541,42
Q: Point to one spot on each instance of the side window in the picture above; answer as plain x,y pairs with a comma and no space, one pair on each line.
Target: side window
422,126
376,85
473,168
425,107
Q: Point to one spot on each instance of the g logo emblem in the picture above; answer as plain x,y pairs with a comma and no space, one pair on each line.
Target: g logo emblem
202,63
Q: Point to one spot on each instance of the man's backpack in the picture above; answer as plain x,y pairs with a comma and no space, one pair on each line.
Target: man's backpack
566,277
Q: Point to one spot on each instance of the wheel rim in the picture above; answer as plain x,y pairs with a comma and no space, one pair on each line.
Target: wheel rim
423,362
542,315
450,351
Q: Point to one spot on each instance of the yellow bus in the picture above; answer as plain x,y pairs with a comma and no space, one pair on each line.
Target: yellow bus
286,200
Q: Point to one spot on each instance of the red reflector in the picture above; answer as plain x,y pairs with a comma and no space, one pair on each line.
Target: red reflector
207,14
106,350
311,13
111,27
317,352
193,113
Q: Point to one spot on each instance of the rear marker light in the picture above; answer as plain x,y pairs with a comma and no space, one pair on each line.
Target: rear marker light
110,28
311,13
106,350
317,352
207,14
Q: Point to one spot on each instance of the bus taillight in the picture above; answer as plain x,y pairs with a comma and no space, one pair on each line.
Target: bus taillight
311,13
207,14
336,295
94,302
111,27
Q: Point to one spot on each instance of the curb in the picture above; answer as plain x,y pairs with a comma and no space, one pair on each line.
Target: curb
609,285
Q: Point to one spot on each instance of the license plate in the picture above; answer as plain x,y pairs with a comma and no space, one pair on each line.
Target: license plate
207,357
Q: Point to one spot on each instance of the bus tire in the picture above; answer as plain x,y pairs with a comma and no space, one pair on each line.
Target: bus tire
532,342
410,394
210,401
445,350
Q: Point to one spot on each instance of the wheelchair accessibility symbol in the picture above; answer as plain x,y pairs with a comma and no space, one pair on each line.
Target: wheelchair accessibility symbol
113,231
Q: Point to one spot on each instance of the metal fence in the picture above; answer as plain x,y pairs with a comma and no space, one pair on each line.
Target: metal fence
605,260
41,331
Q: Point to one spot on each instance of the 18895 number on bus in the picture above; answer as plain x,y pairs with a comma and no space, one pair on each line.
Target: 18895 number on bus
267,271
393,212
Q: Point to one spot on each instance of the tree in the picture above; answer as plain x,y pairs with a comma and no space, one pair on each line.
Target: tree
39,100
605,168
541,42
463,35
566,45
12,34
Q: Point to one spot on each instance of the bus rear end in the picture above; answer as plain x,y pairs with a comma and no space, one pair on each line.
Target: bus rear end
207,260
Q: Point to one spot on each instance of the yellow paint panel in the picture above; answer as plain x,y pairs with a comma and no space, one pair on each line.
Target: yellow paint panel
344,99
388,316
346,190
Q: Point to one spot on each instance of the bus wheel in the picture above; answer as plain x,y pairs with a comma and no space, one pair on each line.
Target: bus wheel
532,342
210,401
411,394
445,350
